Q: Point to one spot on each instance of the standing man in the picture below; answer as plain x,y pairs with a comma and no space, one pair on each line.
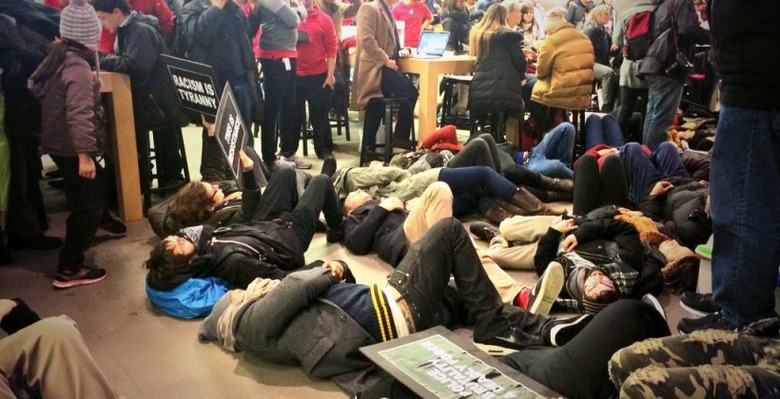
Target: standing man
576,12
416,17
745,178
377,74
315,77
279,59
602,46
665,81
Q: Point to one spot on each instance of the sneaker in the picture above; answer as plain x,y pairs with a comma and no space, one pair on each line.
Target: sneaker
557,332
85,275
704,251
651,300
546,290
113,225
513,339
484,231
296,162
714,321
698,304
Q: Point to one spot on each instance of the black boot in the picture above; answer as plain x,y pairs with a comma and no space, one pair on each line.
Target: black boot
529,204
497,214
556,184
484,231
555,196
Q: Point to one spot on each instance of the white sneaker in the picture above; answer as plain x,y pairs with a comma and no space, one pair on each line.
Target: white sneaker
653,301
296,162
546,290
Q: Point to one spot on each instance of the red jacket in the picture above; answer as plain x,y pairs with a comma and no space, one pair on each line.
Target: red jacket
157,8
322,43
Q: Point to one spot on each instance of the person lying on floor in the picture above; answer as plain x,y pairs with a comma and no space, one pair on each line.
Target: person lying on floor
474,187
217,200
270,245
312,319
46,358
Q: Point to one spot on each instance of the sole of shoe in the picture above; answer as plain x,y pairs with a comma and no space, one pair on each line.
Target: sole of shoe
564,332
694,311
113,234
704,251
552,284
77,282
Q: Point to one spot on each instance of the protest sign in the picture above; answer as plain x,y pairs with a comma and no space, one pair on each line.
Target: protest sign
437,363
230,131
194,83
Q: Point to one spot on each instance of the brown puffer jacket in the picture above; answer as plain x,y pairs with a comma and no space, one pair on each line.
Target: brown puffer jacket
565,70
73,119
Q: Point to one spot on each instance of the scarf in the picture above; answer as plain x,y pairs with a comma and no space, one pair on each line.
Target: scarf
239,301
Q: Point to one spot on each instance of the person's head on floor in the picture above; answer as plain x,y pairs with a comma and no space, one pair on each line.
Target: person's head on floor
196,202
356,199
112,13
598,291
171,255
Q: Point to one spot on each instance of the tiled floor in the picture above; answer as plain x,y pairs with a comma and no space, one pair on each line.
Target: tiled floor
146,354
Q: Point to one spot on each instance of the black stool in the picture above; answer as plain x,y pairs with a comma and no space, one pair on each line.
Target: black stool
578,120
340,116
385,151
496,121
145,159
448,84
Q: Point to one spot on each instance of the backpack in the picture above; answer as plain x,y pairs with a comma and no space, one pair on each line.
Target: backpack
639,34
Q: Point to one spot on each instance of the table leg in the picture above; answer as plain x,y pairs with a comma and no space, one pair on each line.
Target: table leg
126,160
427,104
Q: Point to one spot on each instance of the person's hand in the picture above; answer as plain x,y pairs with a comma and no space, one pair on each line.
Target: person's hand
392,64
607,151
6,306
87,167
613,48
529,53
565,226
704,183
246,163
210,127
219,3
391,203
409,205
336,269
661,188
569,243
330,81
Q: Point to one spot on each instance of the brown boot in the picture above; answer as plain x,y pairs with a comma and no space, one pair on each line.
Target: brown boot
497,214
529,204
556,184
557,196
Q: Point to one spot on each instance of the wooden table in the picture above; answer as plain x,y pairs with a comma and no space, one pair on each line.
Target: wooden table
430,70
122,137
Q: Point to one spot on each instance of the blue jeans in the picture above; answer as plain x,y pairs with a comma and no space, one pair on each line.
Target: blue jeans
603,130
643,171
663,98
475,187
552,156
744,188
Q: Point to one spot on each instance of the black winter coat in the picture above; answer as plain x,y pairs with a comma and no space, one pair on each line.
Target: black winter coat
371,227
457,23
140,46
601,43
681,210
496,86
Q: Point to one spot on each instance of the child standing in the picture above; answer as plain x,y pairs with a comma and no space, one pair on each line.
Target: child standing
72,133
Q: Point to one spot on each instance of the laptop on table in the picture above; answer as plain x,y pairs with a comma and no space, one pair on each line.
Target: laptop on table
432,44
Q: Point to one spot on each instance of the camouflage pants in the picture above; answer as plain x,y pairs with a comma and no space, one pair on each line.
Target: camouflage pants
709,363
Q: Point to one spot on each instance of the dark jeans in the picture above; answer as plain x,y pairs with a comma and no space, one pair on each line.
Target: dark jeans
279,90
476,187
643,171
309,90
744,187
664,96
603,130
394,85
86,206
246,104
629,103
319,196
594,188
579,368
166,154
423,276
281,195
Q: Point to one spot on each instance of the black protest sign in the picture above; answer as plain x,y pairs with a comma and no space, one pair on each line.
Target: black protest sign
230,131
194,83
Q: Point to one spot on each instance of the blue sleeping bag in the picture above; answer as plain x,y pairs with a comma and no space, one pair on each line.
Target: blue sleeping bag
193,298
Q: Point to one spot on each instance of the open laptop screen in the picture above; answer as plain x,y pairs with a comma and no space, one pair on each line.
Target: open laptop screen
432,43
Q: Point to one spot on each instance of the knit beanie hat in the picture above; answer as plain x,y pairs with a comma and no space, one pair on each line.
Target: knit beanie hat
79,22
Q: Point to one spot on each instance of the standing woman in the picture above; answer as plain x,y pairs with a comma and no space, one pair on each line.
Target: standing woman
455,19
500,66
72,133
532,31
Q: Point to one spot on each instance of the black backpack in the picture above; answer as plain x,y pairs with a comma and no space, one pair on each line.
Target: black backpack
639,34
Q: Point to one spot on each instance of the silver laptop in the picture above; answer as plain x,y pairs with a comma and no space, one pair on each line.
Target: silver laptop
432,44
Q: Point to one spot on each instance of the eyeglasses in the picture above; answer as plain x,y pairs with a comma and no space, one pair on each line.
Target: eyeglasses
214,194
